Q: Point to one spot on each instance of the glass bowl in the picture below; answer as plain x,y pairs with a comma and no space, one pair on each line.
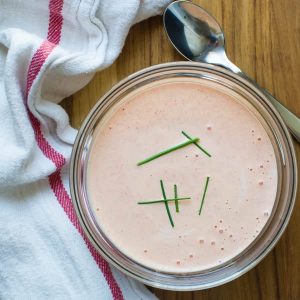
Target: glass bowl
286,165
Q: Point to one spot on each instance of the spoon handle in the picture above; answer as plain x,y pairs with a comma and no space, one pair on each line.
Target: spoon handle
291,120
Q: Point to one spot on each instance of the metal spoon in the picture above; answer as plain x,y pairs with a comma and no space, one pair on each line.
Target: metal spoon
198,37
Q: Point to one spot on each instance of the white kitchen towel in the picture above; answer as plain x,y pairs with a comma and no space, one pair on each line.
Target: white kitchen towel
49,49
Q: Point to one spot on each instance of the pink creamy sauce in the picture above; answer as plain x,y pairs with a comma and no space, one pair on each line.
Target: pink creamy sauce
242,170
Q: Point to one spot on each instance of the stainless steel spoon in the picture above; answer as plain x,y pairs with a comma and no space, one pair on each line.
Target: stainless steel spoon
198,37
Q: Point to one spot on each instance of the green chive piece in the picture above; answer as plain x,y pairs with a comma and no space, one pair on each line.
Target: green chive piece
204,194
176,198
162,201
166,203
190,141
196,144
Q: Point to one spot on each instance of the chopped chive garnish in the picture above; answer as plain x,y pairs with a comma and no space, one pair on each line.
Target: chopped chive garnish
166,203
190,141
204,193
196,144
162,201
176,198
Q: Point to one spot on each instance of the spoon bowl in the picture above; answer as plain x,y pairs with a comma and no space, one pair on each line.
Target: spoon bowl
194,32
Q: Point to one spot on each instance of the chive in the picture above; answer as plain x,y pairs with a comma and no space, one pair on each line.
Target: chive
190,141
176,198
166,203
204,193
196,144
162,201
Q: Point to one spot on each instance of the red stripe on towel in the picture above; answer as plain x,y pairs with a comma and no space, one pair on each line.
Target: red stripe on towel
65,201
55,180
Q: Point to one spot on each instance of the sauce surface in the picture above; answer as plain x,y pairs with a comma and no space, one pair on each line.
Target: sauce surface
242,170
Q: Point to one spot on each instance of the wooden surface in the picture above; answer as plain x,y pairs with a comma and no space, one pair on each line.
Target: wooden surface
263,39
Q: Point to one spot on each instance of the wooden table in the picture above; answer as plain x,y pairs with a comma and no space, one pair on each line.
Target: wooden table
263,39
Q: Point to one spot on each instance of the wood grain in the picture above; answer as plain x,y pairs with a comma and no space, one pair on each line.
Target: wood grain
263,39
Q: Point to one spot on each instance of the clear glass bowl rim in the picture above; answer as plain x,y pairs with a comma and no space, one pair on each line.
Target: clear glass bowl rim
150,277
